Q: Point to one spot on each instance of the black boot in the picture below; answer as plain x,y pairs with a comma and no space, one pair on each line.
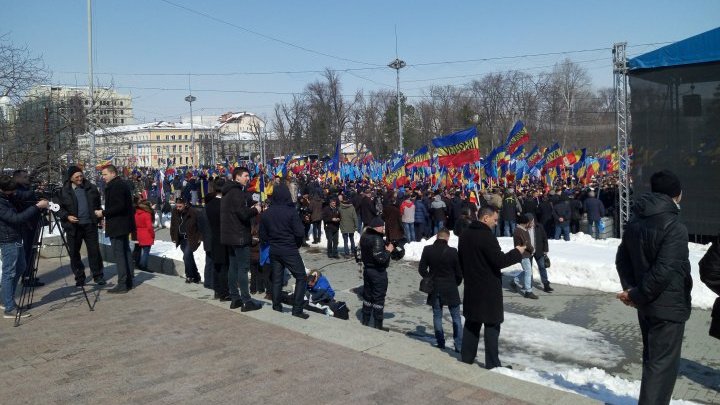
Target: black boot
365,319
379,325
547,288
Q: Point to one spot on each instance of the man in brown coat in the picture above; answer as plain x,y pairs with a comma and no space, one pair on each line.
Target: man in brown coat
184,232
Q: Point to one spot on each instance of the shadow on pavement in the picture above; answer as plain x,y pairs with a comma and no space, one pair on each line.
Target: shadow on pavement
700,373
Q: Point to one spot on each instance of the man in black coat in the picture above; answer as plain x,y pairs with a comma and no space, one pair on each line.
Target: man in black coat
562,213
481,260
654,268
375,257
79,199
368,211
282,228
331,219
218,252
237,208
119,215
444,270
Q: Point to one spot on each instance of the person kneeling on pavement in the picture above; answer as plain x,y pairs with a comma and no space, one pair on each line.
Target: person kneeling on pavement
375,255
319,288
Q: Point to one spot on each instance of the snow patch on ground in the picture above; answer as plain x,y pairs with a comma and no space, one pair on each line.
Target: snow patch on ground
592,382
586,262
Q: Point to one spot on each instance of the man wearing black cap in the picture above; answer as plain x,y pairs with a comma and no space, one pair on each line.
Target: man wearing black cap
654,268
375,256
79,200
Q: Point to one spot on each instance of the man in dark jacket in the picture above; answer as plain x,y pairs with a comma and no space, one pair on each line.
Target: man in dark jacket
545,216
218,251
375,256
481,260
79,199
185,234
27,198
316,213
654,269
562,215
282,228
119,215
331,219
237,208
368,211
595,210
510,211
11,242
422,218
444,270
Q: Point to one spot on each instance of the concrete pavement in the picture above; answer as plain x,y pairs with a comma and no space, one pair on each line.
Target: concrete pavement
169,342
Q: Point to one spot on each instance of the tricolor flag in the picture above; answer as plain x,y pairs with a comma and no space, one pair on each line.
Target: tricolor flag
518,136
458,149
574,157
534,156
554,156
421,158
104,163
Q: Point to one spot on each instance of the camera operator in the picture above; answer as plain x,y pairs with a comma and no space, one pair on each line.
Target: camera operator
79,200
11,241
375,255
27,197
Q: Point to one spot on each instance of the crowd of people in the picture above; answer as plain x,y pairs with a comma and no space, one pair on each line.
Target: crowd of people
252,243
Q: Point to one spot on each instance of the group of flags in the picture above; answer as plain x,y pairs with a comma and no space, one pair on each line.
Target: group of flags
456,162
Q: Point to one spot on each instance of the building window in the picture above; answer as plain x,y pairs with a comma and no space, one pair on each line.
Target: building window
158,137
122,120
187,148
122,112
121,103
174,149
158,150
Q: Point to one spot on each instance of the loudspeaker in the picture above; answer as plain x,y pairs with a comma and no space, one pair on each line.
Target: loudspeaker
692,105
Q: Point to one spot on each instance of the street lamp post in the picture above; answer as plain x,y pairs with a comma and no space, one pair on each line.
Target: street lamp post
398,64
190,100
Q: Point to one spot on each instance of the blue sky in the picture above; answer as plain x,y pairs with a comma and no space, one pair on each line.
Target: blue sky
134,37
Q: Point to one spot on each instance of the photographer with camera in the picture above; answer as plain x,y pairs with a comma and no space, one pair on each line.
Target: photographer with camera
79,200
11,241
375,255
29,198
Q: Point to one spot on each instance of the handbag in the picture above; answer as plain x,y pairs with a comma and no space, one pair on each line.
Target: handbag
546,259
427,285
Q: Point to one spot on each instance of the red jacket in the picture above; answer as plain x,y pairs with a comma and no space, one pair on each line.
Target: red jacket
145,229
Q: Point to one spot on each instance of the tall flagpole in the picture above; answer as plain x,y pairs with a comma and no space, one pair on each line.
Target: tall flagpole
91,95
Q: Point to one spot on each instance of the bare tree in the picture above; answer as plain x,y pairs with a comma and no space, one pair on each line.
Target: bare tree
19,70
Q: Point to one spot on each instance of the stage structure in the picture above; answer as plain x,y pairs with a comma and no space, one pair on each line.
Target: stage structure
675,124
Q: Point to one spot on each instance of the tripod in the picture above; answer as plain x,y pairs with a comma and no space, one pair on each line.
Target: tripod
28,290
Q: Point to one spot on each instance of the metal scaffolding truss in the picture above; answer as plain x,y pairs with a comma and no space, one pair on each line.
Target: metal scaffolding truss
623,138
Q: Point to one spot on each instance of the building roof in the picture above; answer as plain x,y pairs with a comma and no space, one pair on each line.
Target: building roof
701,48
159,125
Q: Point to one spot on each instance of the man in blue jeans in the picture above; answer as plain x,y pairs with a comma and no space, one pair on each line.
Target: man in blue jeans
11,242
440,263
